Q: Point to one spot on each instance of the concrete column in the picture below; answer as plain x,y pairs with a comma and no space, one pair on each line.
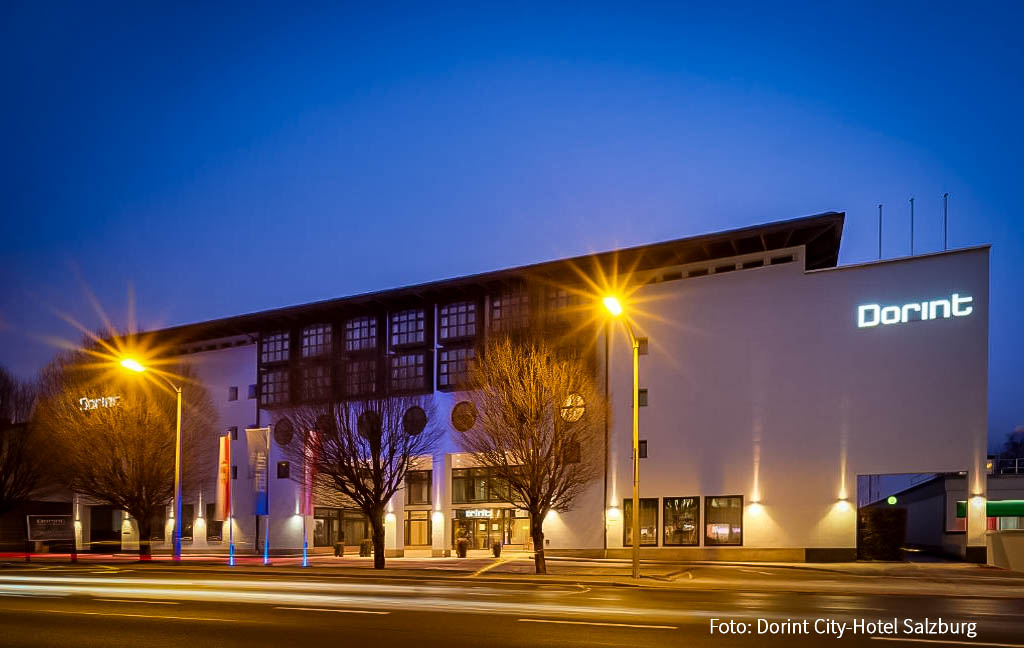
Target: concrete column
129,534
394,530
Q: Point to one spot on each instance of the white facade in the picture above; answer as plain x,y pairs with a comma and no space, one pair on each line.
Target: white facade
764,381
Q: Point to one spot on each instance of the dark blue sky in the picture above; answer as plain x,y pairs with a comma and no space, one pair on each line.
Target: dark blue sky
230,159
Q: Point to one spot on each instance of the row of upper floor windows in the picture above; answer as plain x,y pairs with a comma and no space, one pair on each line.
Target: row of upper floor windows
455,321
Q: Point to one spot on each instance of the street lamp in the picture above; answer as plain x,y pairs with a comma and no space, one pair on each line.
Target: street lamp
131,364
614,307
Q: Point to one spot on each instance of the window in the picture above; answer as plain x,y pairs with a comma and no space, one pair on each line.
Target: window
457,320
648,522
283,470
723,520
275,387
641,448
680,520
188,516
417,528
360,377
234,472
316,382
232,393
252,392
407,327
641,397
274,347
214,528
361,334
756,263
417,487
158,526
233,431
560,299
510,311
470,485
407,372
316,340
700,272
788,258
641,345
453,367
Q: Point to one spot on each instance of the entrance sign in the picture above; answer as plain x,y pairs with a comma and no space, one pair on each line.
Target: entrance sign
85,404
478,513
50,527
957,305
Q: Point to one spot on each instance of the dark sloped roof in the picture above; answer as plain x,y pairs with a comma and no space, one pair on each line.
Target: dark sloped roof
820,234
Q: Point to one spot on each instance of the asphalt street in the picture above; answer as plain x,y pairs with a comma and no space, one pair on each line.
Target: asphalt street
94,605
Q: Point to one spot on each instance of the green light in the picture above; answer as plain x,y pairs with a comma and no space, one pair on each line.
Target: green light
891,500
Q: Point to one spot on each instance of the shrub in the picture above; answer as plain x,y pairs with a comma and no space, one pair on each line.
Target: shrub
496,549
339,549
366,548
881,533
461,547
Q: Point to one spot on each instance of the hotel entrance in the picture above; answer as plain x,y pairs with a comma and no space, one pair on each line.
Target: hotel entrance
331,525
484,527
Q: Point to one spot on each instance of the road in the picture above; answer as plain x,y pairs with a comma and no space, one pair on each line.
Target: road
93,605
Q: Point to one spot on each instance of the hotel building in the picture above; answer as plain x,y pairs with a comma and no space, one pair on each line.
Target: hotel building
770,378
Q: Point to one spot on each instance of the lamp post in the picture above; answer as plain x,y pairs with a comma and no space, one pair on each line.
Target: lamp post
614,307
132,364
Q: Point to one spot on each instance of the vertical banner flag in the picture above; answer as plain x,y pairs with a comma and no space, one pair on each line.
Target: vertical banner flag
223,510
258,440
309,471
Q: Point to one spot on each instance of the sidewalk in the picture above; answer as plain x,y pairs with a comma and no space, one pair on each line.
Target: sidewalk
907,578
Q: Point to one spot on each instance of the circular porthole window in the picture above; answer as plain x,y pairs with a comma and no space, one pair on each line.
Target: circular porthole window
573,408
414,420
283,432
368,425
463,416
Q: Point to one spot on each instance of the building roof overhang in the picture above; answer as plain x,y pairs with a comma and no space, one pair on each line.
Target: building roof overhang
819,234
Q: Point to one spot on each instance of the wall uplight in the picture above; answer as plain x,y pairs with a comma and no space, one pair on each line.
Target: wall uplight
614,513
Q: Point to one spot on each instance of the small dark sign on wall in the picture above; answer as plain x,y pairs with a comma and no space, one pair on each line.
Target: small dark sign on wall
50,527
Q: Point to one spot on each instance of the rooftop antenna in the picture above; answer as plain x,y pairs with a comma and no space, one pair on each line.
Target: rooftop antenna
911,227
879,231
945,221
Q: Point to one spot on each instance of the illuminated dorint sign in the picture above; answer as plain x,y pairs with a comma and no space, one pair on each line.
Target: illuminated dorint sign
957,305
478,513
85,404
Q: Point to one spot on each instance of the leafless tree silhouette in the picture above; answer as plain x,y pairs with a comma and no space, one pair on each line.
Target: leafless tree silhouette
360,451
539,425
121,451
21,455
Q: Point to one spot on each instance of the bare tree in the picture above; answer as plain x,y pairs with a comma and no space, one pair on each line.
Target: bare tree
21,464
112,435
360,452
539,427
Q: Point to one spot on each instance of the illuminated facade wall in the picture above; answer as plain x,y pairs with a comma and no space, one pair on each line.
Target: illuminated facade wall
761,384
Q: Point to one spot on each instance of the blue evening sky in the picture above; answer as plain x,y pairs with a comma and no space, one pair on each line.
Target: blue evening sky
225,158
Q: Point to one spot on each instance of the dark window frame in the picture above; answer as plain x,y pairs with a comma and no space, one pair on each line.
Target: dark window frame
399,369
232,393
316,340
361,376
275,347
627,523
707,507
407,327
408,519
315,381
458,320
284,470
214,528
664,518
445,360
361,334
409,490
277,391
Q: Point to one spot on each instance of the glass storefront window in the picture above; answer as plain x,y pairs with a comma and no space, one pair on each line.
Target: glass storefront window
507,526
417,487
723,520
681,521
648,522
471,485
417,528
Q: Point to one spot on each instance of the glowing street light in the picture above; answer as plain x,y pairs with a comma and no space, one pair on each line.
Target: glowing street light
131,364
614,307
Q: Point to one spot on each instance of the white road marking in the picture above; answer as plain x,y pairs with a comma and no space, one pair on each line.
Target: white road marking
313,609
110,600
598,623
143,616
946,642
